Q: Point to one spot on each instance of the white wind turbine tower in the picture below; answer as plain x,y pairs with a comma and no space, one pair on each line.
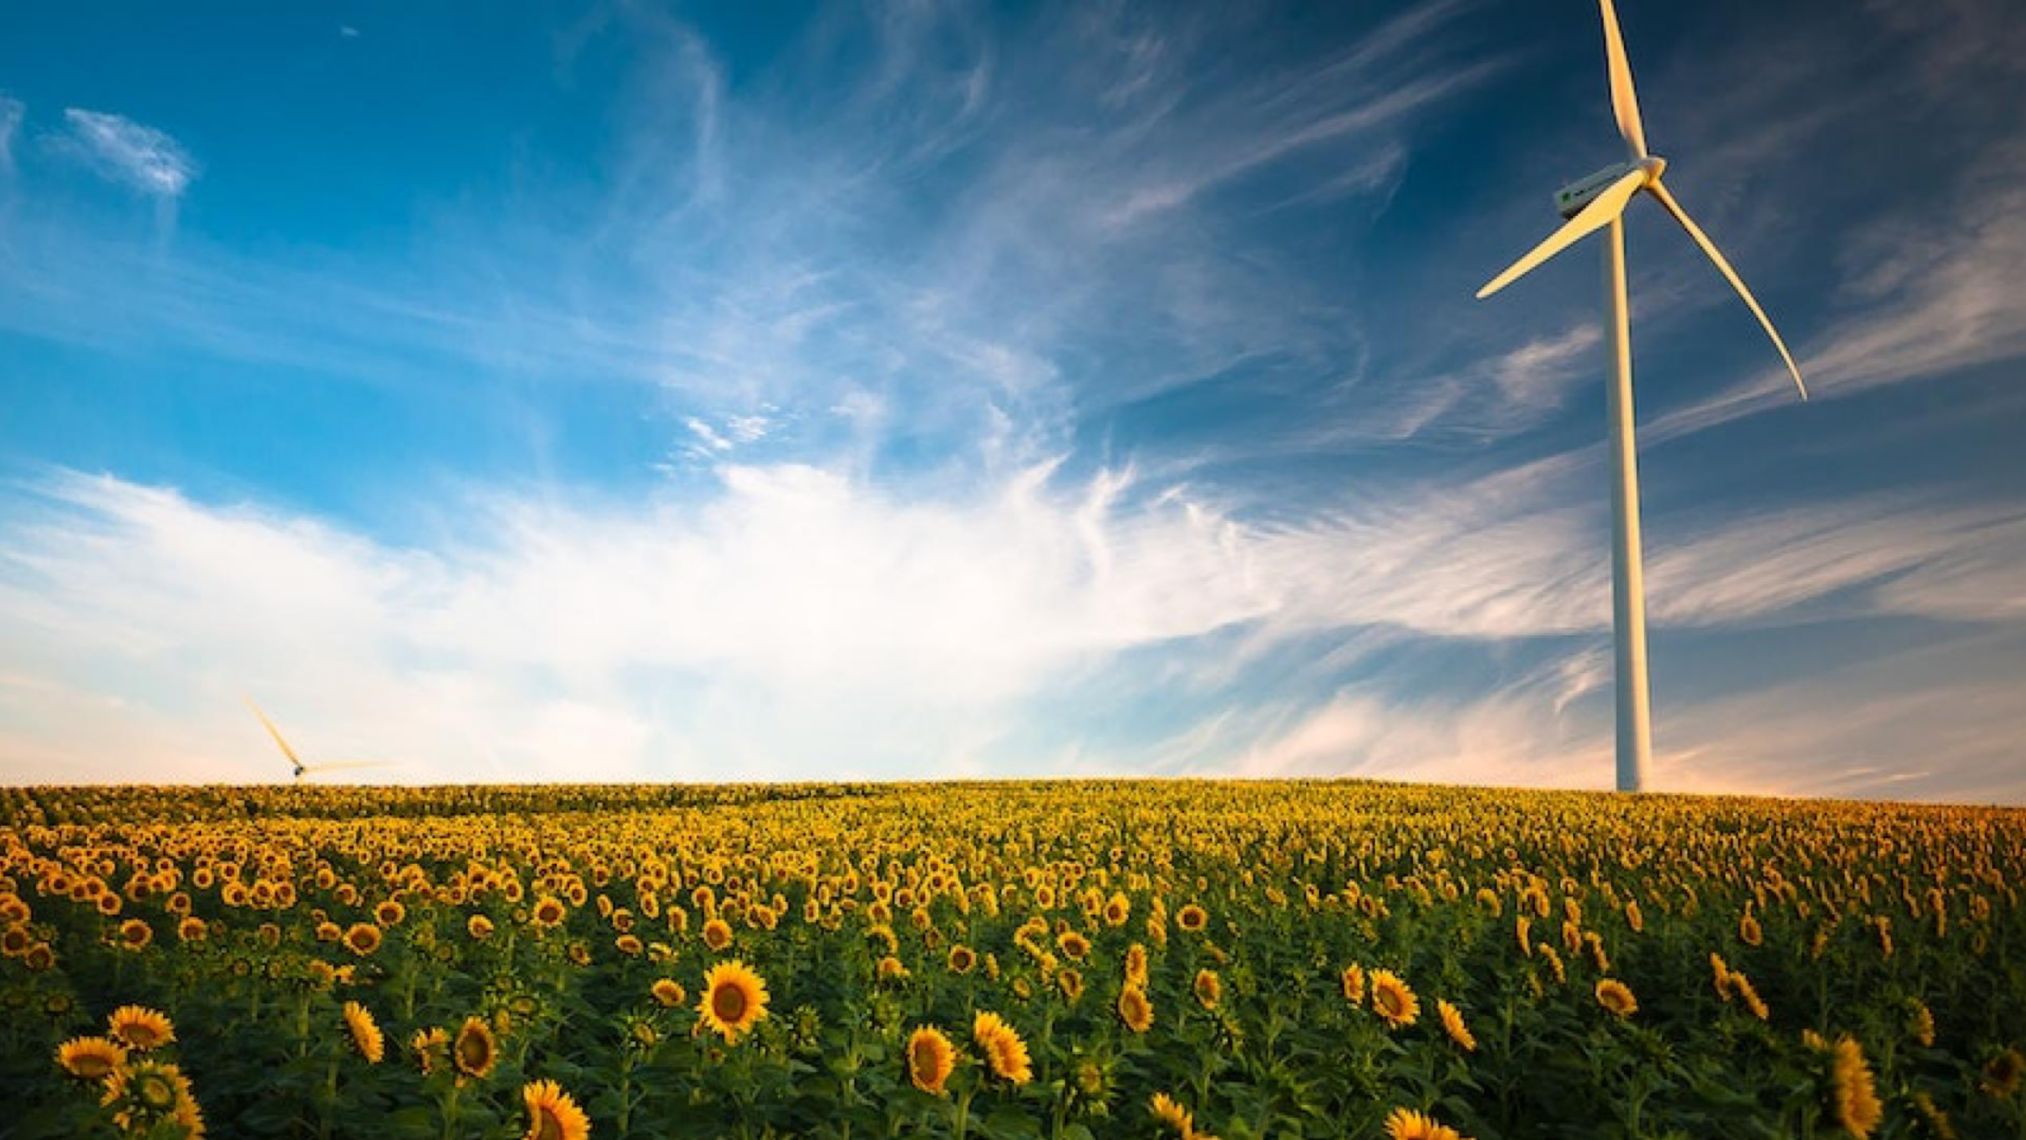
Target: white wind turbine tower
1589,204
295,761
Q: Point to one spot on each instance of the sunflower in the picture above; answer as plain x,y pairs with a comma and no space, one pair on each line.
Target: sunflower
1393,1000
366,1035
717,934
734,999
1353,981
1749,932
1932,1115
90,1058
1070,982
548,912
1135,1009
431,1047
390,913
552,1115
962,959
1613,995
1192,918
1004,1050
150,1094
1522,930
1172,1114
1136,965
1407,1124
135,934
479,927
668,992
1921,1025
475,1050
2003,1072
930,1058
141,1028
1208,988
1452,1024
1853,1095
362,938
1117,909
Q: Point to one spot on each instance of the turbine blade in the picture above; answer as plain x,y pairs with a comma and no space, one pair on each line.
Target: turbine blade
1709,247
276,733
1600,211
1624,101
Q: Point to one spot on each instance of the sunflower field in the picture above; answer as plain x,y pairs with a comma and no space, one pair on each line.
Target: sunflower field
1088,959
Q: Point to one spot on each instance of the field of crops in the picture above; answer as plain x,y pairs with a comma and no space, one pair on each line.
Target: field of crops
1130,959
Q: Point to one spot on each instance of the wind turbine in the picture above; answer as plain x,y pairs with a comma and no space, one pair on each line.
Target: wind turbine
295,761
1590,204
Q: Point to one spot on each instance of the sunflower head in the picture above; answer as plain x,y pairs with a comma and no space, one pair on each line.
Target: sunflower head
1353,981
140,1028
363,938
1853,1094
1615,996
930,1059
366,1035
734,1000
717,934
2003,1073
135,934
1136,1009
1173,1115
1407,1124
1453,1025
431,1047
91,1058
149,1095
475,1050
548,912
552,1114
1393,999
1208,988
1005,1052
668,992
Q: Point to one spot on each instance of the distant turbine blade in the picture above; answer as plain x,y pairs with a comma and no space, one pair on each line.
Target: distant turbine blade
1624,101
1599,212
1709,247
276,733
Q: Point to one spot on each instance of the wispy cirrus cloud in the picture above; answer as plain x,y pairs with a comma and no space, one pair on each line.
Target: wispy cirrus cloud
11,112
138,155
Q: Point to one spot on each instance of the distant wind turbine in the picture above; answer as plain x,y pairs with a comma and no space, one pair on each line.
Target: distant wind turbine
295,761
1590,204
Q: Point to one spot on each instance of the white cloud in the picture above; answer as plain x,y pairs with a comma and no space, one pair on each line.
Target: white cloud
126,151
11,112
802,622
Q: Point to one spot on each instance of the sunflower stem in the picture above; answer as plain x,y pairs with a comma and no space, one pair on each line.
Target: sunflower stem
330,1099
964,1112
450,1112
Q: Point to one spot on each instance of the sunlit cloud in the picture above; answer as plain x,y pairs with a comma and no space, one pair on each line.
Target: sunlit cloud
146,159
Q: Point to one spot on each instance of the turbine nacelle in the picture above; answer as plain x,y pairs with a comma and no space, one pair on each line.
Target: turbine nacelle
1570,199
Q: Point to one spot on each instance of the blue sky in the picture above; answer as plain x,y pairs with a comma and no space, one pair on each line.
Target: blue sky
929,390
